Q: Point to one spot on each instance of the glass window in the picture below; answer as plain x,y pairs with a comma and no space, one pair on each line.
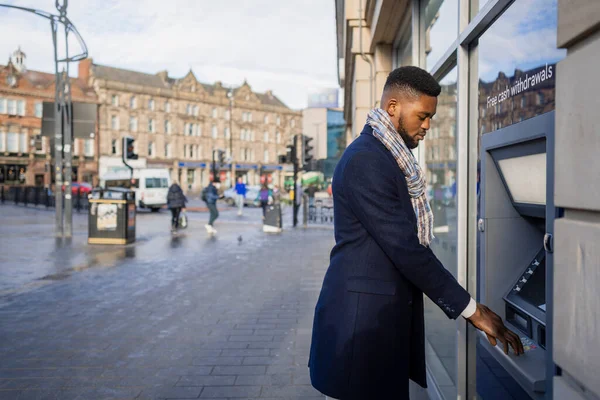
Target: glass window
156,183
440,166
12,107
278,120
132,102
167,150
39,144
167,106
190,131
214,113
151,125
38,109
266,119
23,145
151,104
21,108
227,133
3,106
196,111
88,151
293,123
266,156
278,137
191,148
249,117
440,25
167,127
266,137
114,100
150,149
2,141
133,124
517,65
215,132
114,123
191,176
12,142
227,115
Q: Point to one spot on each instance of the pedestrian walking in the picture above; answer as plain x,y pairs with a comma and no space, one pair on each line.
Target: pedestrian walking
368,331
210,195
265,196
176,202
240,189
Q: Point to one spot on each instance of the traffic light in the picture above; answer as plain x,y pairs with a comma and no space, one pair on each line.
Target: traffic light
128,149
282,160
221,157
307,150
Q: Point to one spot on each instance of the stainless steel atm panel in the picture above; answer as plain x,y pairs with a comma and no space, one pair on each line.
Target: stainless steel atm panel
515,260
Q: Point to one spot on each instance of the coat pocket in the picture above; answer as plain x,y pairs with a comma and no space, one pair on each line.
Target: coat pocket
360,284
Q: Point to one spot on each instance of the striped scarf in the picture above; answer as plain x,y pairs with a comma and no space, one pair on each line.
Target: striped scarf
384,130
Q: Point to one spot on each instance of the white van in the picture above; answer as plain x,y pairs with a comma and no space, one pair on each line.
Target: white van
151,186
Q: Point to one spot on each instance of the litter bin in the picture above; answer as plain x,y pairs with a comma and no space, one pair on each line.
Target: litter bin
111,216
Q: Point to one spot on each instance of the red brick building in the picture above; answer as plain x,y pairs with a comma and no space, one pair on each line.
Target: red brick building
24,154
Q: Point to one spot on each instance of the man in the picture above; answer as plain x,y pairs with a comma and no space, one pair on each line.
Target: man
240,189
368,334
176,202
210,195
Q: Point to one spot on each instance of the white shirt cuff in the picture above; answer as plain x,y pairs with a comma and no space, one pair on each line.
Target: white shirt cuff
470,309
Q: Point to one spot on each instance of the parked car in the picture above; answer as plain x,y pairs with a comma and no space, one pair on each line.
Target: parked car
230,196
79,187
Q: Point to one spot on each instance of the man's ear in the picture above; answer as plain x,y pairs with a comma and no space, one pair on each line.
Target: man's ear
392,107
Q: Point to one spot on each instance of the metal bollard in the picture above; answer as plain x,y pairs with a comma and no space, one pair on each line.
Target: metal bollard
305,210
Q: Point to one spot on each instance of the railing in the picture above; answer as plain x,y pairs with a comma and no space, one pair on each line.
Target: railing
37,196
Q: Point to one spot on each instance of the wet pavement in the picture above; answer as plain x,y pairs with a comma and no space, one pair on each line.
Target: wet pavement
184,316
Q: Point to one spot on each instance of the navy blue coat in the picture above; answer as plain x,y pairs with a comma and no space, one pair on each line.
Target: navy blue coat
368,331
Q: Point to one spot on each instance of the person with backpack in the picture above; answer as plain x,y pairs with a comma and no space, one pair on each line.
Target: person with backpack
176,202
265,196
210,195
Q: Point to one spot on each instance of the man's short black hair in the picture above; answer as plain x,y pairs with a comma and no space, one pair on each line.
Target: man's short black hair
412,81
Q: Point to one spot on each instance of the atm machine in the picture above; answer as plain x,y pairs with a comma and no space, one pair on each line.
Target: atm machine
515,231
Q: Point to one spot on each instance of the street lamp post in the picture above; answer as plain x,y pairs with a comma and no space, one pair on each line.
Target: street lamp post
63,130
230,95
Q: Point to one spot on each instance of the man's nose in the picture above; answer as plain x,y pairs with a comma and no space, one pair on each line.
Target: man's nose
425,124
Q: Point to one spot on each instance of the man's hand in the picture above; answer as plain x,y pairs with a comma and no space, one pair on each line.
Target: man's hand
491,324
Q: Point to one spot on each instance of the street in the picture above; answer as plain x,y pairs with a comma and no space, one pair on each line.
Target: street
169,317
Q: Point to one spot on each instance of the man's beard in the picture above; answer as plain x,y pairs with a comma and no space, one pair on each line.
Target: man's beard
410,142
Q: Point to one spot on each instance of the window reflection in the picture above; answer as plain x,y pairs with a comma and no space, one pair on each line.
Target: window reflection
440,28
517,65
440,164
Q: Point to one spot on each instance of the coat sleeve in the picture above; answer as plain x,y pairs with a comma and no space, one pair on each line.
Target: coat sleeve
371,188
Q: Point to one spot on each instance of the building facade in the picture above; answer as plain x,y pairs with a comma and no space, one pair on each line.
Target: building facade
25,156
501,63
177,123
328,129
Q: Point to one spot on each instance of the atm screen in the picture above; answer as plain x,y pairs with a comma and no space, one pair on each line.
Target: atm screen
534,290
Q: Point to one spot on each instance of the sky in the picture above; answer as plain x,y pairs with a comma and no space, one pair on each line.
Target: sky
288,47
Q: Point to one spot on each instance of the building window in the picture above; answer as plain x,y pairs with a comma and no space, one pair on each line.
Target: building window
191,148
293,123
39,146
252,136
2,142
227,115
185,146
167,106
191,176
167,127
150,149
167,150
196,111
278,137
249,117
266,156
114,100
266,120
214,113
88,150
133,125
227,133
114,146
133,103
3,108
151,104
21,107
38,109
11,107
12,142
266,137
23,146
539,99
76,144
188,109
215,132
245,117
189,129
114,123
151,125
278,121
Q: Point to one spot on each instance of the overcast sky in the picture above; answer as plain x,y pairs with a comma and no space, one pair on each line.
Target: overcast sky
286,46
